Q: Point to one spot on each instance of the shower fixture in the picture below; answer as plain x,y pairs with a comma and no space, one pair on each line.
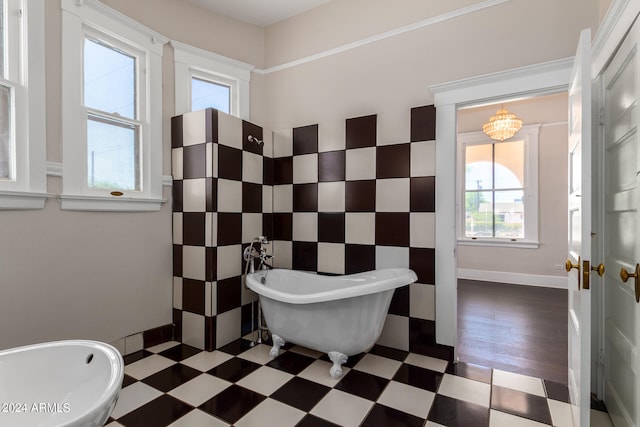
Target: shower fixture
252,138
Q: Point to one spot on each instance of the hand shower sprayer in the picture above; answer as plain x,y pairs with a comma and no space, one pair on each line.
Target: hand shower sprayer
252,138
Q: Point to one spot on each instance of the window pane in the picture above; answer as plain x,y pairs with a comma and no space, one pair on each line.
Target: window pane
109,79
509,214
205,94
112,155
509,159
478,216
479,167
6,144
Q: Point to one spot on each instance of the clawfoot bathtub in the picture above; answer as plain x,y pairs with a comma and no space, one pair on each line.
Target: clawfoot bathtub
338,315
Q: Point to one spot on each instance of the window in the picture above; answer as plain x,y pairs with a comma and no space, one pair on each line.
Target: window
112,117
22,111
499,188
207,80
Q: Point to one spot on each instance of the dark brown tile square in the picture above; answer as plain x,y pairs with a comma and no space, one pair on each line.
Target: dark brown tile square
209,333
249,319
232,404
267,225
392,229
159,412
331,227
229,163
127,380
229,228
291,362
418,377
360,196
521,404
305,256
362,384
234,369
267,171
331,166
393,161
229,294
211,124
237,347
283,170
359,258
177,260
451,412
423,194
211,194
305,197
211,264
171,377
176,132
400,302
422,333
282,226
194,161
177,322
177,195
300,393
423,123
305,140
193,296
159,335
423,262
382,415
313,421
361,132
135,356
557,391
193,226
254,130
470,371
251,197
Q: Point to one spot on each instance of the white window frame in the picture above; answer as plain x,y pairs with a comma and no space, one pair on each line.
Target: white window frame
25,76
192,62
528,134
92,18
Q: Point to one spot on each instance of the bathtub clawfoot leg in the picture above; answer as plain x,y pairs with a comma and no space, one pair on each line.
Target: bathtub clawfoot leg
338,360
277,343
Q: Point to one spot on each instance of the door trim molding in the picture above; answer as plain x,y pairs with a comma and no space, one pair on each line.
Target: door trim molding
615,25
539,280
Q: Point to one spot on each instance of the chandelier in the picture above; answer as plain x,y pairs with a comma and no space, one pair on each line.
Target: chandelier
502,126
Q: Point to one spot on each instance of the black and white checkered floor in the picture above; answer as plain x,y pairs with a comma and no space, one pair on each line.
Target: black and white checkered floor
176,385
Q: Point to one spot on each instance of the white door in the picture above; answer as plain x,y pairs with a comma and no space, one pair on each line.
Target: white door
580,232
622,233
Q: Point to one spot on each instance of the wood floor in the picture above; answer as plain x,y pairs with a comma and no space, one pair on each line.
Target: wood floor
516,328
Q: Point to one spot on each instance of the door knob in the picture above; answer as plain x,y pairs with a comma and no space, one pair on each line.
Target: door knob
599,269
569,265
625,275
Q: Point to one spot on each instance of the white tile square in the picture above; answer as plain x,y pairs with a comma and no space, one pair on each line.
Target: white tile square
258,354
177,228
194,195
134,396
519,382
376,365
267,148
283,253
200,389
229,130
214,160
198,418
193,329
265,380
360,164
305,169
283,198
177,163
561,413
360,228
432,424
412,400
331,258
392,195
426,362
251,167
228,327
119,345
194,128
283,143
423,158
194,262
228,261
392,257
206,360
209,230
319,372
148,366
600,419
342,408
133,343
162,347
394,126
395,332
267,198
277,414
422,301
305,226
331,197
251,226
502,419
465,389
331,136
177,292
422,230
229,195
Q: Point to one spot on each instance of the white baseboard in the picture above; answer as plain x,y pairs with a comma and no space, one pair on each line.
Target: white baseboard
559,282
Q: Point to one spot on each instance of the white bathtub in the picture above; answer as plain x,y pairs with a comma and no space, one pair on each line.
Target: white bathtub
61,383
338,315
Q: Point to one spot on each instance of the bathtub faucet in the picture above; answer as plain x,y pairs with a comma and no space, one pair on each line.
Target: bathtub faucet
250,254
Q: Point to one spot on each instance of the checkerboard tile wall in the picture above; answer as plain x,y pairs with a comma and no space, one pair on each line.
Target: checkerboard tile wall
218,208
351,203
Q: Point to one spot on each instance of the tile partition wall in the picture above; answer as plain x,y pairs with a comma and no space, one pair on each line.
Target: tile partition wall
217,210
351,204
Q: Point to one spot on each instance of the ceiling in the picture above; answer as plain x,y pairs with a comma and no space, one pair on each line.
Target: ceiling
259,12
